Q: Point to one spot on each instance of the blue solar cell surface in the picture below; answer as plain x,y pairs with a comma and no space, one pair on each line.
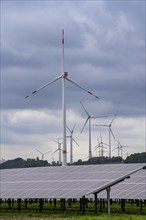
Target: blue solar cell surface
65,182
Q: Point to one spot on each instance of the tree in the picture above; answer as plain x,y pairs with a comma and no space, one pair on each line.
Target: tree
136,158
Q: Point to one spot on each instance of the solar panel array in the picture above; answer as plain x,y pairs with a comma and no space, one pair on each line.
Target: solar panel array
61,182
132,188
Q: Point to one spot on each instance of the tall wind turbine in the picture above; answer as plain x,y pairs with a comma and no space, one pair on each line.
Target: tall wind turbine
43,153
71,143
64,77
89,117
110,132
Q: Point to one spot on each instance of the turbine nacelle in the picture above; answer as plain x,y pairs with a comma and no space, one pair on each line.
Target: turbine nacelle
64,75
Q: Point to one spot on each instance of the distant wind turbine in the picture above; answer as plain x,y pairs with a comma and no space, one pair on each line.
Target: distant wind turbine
64,77
58,149
71,143
101,146
43,153
89,117
121,148
110,132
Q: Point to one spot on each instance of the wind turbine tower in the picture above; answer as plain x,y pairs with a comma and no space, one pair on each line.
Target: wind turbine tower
64,77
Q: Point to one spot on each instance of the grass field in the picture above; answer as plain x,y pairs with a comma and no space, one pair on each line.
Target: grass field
49,212
14,216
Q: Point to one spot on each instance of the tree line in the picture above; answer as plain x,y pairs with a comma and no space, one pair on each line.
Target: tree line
21,163
133,158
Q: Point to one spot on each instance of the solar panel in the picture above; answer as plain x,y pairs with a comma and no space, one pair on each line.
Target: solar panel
132,188
62,182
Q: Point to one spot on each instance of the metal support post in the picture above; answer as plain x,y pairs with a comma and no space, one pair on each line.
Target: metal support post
108,199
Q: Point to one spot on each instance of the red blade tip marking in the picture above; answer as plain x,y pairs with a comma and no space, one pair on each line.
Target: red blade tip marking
93,95
97,97
90,93
62,36
34,92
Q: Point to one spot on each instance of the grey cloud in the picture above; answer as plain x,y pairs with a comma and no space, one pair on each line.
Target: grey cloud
104,52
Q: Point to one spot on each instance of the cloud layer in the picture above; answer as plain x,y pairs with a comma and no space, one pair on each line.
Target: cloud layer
104,52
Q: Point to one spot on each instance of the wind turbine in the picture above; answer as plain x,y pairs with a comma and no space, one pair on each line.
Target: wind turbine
58,149
121,148
71,143
110,132
101,143
64,77
101,146
89,117
43,153
118,148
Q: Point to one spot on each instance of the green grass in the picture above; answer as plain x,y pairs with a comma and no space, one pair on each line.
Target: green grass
132,212
75,216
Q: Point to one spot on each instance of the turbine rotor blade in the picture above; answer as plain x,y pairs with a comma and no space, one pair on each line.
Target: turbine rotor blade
39,151
47,152
42,87
121,145
101,125
85,124
75,141
104,147
68,129
84,109
112,134
82,88
73,129
105,144
98,116
96,148
101,138
115,148
113,118
56,142
55,151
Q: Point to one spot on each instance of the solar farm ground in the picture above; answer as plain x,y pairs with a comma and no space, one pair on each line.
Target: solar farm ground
132,212
86,217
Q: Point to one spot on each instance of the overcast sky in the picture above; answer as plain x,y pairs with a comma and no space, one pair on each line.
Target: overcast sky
104,52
